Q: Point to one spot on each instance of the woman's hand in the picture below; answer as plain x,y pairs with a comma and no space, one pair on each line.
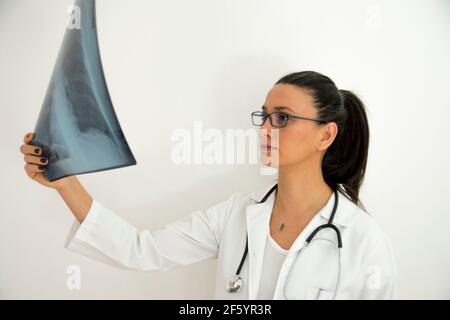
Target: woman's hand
35,164
75,196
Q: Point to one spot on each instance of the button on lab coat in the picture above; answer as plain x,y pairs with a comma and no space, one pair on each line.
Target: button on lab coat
367,262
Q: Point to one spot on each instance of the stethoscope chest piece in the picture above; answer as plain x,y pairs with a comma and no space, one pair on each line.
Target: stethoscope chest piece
234,284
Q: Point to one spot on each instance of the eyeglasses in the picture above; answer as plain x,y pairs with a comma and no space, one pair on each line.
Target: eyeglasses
277,119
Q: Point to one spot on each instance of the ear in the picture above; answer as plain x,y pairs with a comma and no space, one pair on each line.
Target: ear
327,134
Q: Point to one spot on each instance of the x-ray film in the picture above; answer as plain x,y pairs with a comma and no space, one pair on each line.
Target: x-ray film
77,127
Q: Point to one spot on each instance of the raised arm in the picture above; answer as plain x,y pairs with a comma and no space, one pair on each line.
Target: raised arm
107,237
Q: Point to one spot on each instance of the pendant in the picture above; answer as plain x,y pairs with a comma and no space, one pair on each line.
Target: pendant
281,226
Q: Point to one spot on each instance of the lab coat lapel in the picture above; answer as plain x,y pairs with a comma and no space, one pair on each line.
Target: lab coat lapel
344,215
258,217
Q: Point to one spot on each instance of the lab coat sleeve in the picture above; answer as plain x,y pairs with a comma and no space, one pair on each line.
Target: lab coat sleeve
379,272
108,238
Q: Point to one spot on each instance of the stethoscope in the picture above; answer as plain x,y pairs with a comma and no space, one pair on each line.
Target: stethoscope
235,283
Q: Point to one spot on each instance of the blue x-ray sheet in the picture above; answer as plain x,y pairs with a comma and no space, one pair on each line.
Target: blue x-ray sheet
77,127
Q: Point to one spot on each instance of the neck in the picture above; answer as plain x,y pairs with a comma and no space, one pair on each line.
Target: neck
302,191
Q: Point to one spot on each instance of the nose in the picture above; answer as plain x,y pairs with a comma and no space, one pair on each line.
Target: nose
266,131
267,125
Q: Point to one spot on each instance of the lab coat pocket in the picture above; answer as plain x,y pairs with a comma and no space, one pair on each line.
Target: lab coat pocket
315,293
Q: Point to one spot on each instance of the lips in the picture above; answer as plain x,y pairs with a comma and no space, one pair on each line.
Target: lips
267,147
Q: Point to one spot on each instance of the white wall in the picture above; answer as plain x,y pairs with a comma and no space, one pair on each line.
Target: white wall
214,61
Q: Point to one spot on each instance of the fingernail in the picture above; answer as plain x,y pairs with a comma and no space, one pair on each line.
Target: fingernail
41,167
36,150
43,160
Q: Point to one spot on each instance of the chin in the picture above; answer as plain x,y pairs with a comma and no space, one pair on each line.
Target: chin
270,162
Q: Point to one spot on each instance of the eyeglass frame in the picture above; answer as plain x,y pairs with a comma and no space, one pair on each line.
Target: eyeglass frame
289,117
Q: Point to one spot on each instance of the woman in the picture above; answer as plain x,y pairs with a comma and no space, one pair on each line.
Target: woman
321,137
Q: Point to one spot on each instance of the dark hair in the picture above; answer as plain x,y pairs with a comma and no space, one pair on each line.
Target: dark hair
345,160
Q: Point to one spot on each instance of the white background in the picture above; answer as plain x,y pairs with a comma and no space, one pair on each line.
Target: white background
169,63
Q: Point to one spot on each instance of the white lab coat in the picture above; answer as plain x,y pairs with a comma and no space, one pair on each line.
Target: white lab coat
367,262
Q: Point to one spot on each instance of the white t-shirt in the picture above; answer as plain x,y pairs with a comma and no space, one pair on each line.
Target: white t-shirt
274,256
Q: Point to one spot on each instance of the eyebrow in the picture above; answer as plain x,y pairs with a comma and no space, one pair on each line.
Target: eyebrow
278,108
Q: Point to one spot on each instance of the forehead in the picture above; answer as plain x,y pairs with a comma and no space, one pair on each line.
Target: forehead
287,95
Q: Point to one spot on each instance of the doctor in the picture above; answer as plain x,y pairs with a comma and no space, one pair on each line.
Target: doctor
304,236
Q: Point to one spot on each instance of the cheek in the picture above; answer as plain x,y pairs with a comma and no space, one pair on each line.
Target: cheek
296,144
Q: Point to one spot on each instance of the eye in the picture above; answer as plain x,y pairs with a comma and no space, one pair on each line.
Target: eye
281,117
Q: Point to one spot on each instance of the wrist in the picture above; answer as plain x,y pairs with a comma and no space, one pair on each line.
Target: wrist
66,183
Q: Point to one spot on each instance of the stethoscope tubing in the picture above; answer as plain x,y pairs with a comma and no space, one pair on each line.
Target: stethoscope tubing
329,224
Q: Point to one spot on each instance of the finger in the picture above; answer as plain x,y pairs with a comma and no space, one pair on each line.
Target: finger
30,149
35,160
28,137
32,169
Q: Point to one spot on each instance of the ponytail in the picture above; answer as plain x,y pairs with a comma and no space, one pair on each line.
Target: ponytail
344,162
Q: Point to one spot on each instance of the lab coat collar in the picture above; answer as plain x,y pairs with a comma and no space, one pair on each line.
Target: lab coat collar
258,218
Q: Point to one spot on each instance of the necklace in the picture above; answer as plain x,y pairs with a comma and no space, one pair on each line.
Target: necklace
281,226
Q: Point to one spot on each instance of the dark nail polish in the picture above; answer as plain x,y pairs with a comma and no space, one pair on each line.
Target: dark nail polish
41,167
43,160
36,150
